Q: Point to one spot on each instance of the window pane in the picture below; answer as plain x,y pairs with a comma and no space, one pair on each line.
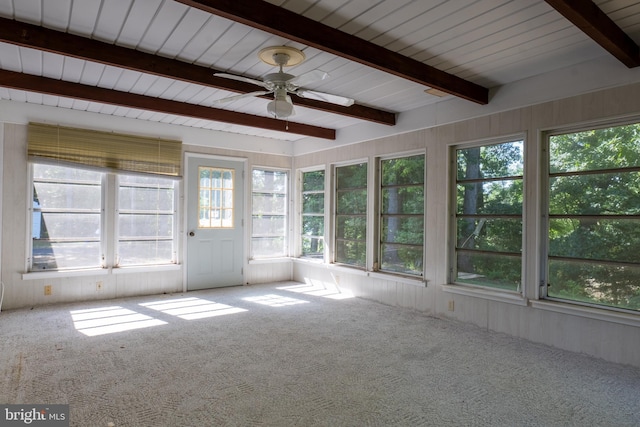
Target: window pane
313,226
610,285
354,176
265,247
313,181
312,247
402,259
595,194
495,197
48,255
597,149
352,202
66,218
496,271
145,252
313,203
403,171
269,205
145,220
496,235
403,200
350,252
406,230
595,239
490,161
352,227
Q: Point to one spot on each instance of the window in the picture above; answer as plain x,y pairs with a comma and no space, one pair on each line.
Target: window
215,200
402,215
69,212
269,213
594,217
488,220
146,210
312,235
351,215
66,218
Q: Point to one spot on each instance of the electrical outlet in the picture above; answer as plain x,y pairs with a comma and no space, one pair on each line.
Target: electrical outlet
99,286
47,290
451,305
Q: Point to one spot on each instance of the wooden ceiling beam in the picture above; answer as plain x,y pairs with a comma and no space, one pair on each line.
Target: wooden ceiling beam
49,86
285,23
587,16
35,37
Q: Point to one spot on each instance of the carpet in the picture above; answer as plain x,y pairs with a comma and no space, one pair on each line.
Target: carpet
292,354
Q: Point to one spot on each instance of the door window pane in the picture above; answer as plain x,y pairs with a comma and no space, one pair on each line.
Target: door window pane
215,197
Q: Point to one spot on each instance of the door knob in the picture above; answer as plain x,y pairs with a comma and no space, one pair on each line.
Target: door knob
191,233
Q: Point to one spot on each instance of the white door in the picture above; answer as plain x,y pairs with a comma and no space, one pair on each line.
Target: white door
215,195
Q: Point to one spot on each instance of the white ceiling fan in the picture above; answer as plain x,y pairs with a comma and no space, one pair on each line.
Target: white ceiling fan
282,84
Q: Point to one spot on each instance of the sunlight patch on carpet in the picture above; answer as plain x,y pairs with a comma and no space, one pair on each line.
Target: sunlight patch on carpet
319,289
108,320
273,300
192,308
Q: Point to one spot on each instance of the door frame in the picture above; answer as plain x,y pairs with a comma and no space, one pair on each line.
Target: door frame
185,206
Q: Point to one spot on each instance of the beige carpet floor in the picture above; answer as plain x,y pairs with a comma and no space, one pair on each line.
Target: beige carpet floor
290,354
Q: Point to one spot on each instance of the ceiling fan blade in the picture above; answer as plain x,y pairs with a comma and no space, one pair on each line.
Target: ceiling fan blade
326,97
243,95
307,78
242,79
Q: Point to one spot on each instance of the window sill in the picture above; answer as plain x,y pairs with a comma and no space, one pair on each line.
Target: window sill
58,274
146,268
61,274
506,297
414,281
629,319
269,260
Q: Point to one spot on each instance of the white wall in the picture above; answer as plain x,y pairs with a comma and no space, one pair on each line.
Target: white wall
610,335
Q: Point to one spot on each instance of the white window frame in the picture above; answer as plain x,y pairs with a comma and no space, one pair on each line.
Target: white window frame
564,305
300,215
379,214
488,292
287,214
174,229
108,226
334,213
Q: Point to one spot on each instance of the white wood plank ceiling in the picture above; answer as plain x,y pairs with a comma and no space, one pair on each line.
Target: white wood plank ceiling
487,42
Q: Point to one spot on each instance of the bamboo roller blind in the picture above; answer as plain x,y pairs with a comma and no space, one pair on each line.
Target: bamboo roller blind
105,150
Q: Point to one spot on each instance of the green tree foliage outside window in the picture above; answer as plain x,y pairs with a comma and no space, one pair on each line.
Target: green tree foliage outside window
489,215
402,215
351,214
594,216
313,214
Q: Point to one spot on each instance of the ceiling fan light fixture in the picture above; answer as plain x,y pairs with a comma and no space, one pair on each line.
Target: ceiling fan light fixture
281,107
